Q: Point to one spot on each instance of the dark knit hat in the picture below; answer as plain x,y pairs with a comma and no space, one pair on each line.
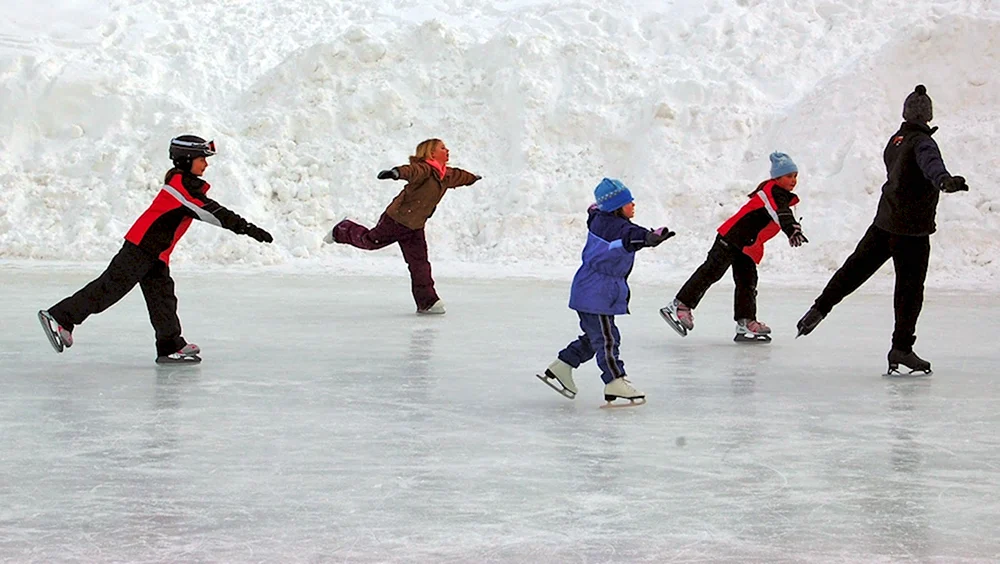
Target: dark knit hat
917,107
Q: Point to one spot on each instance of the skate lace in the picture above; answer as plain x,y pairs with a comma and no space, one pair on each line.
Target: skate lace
756,326
628,385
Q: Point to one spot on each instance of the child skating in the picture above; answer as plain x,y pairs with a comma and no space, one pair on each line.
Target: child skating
740,244
145,256
600,292
427,179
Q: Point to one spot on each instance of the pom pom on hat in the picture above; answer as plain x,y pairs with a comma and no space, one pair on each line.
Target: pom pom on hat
918,108
782,164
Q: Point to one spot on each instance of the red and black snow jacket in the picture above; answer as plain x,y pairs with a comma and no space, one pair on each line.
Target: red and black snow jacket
181,199
760,219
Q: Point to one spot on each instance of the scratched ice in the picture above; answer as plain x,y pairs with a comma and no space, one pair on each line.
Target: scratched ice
330,423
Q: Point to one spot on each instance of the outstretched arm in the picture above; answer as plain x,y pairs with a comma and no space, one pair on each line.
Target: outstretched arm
208,210
457,177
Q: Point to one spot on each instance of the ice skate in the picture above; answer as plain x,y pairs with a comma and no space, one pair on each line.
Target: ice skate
917,365
621,388
678,316
559,377
329,238
58,337
187,355
436,309
809,321
752,331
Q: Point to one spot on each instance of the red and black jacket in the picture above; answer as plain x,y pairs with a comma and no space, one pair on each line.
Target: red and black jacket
760,219
181,199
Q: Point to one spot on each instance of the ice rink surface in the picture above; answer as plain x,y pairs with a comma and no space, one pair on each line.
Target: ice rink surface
328,423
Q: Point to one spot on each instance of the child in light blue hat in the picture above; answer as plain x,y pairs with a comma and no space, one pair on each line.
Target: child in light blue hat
739,243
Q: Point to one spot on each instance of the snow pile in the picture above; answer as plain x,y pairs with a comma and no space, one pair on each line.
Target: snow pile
307,100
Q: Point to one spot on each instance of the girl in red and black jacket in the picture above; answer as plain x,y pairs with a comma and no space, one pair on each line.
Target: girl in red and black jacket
145,257
740,244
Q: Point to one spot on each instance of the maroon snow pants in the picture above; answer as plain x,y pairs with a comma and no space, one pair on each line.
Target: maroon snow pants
411,241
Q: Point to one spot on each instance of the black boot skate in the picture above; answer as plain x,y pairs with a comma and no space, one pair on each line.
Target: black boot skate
917,365
187,355
809,321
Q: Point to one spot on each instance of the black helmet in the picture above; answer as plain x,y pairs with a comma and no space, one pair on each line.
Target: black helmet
186,148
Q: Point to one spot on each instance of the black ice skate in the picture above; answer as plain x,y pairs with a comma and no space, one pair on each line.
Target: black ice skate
809,321
58,337
917,365
752,331
187,355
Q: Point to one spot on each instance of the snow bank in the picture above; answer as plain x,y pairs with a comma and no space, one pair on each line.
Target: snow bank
307,100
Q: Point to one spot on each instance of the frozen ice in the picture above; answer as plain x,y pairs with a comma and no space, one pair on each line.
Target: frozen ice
329,423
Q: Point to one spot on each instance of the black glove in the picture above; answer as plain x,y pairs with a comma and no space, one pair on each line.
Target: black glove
954,184
392,173
259,234
658,235
796,239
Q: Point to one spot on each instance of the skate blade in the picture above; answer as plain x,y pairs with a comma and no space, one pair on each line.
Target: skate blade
188,360
610,404
566,393
896,373
54,340
671,321
742,338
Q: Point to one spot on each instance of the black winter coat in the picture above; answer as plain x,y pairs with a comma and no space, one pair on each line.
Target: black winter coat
915,172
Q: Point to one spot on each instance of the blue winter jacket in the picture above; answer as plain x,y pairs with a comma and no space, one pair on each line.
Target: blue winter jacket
600,285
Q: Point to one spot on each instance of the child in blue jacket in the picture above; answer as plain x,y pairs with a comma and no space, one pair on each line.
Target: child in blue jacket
600,292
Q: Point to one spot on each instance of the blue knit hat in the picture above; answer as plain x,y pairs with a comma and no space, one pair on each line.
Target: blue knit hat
781,164
611,195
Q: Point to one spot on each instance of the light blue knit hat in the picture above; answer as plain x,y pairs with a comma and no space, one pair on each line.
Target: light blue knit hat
611,195
782,164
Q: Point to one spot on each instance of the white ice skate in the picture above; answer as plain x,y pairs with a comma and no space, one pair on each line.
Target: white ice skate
620,388
559,377
678,316
58,337
436,309
328,238
752,331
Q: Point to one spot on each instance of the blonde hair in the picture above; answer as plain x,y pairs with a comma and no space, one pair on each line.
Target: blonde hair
424,150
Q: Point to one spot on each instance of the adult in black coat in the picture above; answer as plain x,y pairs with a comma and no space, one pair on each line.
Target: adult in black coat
901,230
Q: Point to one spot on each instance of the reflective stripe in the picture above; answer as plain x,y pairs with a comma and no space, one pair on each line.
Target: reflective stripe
199,212
609,347
767,205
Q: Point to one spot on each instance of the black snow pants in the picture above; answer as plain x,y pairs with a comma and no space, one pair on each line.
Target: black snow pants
910,255
129,267
721,256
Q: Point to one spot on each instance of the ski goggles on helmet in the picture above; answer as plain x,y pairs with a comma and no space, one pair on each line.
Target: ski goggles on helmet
194,148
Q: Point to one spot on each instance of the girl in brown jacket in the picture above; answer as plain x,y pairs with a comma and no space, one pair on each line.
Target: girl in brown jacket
427,178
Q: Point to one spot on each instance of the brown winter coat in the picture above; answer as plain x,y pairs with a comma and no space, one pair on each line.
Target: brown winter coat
423,191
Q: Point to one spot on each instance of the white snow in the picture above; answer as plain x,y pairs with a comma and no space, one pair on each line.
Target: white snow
308,99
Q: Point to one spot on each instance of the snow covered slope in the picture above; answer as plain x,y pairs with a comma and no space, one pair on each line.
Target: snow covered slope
308,99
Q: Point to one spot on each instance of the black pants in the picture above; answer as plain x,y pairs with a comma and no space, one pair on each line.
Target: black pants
721,256
909,254
129,267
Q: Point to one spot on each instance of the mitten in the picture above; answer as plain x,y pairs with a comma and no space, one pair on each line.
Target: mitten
259,234
796,239
392,173
658,235
954,184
